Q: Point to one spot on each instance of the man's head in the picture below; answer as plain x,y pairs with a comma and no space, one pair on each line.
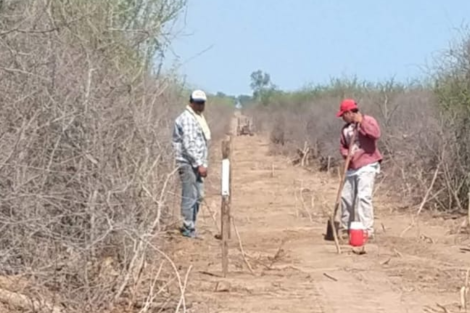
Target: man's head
197,101
348,110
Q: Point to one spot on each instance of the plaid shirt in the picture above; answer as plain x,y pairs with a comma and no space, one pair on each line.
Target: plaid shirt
189,142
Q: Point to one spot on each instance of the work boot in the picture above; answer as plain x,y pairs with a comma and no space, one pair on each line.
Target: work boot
186,232
343,235
190,233
370,237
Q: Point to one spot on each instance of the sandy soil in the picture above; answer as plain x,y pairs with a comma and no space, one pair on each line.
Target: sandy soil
295,270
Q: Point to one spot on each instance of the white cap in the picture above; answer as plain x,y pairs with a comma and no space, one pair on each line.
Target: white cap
198,95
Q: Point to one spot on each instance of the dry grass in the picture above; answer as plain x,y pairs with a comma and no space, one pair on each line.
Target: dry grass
86,166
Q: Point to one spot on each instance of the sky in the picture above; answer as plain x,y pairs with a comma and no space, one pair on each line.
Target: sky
219,43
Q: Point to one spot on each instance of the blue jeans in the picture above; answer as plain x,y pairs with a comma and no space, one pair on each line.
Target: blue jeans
192,193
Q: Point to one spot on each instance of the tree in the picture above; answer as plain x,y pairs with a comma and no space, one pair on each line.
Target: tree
260,80
262,86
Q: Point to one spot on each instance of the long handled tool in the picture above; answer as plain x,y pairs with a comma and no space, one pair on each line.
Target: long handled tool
332,226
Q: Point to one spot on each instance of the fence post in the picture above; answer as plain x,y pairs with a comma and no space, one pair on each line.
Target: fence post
228,154
226,201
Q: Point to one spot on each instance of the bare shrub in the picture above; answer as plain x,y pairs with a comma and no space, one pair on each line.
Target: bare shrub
415,136
86,161
452,89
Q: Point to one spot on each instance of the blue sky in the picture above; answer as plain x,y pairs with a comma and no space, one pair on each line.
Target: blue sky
300,42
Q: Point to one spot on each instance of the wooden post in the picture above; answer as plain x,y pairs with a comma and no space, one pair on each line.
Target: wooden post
229,212
225,209
224,230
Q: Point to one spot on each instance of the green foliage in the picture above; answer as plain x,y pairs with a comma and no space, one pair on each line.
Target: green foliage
222,99
337,88
260,80
133,32
453,94
263,88
452,91
245,100
452,78
217,99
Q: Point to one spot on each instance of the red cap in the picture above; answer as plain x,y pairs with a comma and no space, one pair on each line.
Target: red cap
346,105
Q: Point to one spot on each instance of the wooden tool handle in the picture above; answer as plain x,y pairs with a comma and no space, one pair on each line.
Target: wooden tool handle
340,189
346,165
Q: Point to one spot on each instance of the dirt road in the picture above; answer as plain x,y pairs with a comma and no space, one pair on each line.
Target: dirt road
295,270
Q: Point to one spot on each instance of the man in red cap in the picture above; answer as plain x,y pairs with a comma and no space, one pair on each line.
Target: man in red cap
363,167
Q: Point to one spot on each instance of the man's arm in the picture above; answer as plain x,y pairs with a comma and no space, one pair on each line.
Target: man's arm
189,142
370,128
343,148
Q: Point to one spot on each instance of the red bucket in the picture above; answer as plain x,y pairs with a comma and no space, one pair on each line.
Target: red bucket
357,234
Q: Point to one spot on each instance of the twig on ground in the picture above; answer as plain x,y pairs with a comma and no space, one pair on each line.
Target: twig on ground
443,308
330,277
241,247
328,165
151,294
209,274
427,238
212,215
304,206
276,255
398,253
183,290
464,292
296,201
305,153
182,286
468,211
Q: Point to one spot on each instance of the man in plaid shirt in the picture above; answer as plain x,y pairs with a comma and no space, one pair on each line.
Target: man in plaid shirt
191,137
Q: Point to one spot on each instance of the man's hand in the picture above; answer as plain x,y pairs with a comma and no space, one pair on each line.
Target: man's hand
202,171
358,118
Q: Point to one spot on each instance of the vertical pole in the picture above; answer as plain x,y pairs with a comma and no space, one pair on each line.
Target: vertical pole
229,211
225,212
224,231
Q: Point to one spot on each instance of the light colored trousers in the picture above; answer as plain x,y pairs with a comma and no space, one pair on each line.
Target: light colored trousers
357,192
192,193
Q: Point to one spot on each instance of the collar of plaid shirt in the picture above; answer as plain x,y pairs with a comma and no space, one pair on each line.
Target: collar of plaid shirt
202,122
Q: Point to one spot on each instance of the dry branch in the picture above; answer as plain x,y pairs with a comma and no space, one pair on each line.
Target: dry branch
330,277
442,307
212,214
86,159
245,259
183,290
276,255
424,201
464,292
